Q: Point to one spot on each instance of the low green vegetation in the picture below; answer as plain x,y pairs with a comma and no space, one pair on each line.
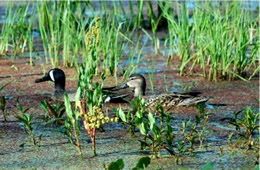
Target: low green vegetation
72,126
157,131
142,163
246,123
54,113
26,119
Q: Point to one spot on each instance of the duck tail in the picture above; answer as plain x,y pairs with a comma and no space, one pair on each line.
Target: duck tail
193,101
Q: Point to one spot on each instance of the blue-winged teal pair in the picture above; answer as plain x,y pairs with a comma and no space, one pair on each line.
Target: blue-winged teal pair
137,82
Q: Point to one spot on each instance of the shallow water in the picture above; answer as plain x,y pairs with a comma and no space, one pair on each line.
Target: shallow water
56,152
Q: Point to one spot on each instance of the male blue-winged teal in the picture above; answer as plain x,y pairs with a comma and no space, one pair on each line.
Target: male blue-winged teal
57,76
138,82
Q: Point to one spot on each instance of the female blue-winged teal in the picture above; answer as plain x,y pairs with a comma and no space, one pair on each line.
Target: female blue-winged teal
138,82
57,76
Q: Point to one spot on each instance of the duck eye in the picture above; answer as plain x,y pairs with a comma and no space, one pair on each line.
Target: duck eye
132,78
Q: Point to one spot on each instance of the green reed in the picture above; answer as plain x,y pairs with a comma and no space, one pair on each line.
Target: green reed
217,41
15,30
180,30
49,16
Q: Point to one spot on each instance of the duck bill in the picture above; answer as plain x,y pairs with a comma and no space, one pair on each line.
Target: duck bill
45,78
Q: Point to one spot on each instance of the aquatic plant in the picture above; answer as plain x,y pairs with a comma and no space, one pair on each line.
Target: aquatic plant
15,30
157,137
142,163
26,119
90,103
54,112
217,41
132,116
103,42
50,29
128,119
180,29
208,166
249,122
158,133
193,132
72,127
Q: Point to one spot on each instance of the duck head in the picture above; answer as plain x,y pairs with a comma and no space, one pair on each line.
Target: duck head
58,77
137,82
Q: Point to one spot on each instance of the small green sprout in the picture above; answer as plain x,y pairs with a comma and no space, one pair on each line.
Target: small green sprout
26,119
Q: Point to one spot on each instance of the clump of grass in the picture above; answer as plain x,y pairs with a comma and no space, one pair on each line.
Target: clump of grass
217,41
49,16
15,30
180,29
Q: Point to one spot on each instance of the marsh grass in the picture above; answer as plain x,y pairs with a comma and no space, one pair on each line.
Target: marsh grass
216,40
16,30
220,42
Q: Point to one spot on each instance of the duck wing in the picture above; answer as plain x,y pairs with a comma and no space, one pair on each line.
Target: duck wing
175,99
114,95
116,98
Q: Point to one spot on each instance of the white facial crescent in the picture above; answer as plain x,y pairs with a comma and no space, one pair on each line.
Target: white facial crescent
51,75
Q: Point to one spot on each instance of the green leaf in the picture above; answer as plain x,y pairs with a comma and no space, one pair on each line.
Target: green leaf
121,114
68,106
143,129
208,166
21,119
117,165
44,107
142,163
77,97
153,125
151,120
